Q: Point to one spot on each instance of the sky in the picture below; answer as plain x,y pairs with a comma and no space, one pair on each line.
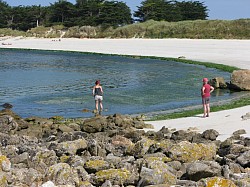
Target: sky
218,9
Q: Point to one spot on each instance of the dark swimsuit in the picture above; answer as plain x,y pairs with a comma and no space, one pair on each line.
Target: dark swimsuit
98,91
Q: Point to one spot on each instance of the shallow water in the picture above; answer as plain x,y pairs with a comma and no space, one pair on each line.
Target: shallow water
46,83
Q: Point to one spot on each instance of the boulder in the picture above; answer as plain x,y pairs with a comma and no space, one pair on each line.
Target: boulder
3,179
246,116
5,164
190,152
240,131
204,169
210,134
140,148
115,176
240,80
62,174
218,82
121,141
93,166
217,181
182,135
94,125
7,105
95,149
8,125
158,173
71,147
244,159
42,160
26,177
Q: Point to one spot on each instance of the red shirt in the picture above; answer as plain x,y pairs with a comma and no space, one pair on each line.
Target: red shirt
206,91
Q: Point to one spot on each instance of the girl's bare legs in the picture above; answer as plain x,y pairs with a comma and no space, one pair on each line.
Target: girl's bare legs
208,109
101,107
96,105
205,110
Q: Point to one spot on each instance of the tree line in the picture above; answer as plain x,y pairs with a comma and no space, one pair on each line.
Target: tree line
98,13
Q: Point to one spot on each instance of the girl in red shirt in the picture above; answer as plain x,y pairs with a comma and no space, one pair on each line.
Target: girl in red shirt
205,94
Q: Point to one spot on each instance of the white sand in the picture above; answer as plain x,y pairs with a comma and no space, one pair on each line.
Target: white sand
228,52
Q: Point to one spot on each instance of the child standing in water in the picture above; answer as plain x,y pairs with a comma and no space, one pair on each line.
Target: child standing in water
98,95
205,94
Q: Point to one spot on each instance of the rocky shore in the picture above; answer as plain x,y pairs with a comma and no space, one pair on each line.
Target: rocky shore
116,151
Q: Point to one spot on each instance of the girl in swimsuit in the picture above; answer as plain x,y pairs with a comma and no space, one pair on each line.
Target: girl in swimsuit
98,95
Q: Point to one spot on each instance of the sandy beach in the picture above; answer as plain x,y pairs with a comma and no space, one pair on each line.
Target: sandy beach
228,52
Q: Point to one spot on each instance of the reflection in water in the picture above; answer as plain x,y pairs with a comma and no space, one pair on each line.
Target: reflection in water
43,83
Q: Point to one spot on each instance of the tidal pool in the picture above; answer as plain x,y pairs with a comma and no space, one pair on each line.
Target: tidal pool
47,83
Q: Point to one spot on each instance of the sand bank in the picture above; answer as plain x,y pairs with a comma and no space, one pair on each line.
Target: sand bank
228,52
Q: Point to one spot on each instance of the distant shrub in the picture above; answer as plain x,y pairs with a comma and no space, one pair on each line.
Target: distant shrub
10,32
39,31
198,29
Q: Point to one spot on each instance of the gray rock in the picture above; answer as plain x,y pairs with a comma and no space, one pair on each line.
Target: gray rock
7,105
25,176
71,147
93,166
154,176
48,184
204,169
42,160
218,82
8,125
94,125
182,152
182,135
244,159
62,174
5,164
246,116
210,134
240,131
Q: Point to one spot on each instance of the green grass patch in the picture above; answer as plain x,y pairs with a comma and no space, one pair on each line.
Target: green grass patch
222,67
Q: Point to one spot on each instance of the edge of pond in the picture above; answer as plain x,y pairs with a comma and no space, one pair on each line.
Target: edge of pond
178,113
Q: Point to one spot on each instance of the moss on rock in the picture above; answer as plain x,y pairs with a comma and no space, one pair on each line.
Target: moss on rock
118,176
219,182
154,158
3,179
96,165
5,164
190,152
140,148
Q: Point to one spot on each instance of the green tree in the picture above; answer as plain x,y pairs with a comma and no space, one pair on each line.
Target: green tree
25,17
18,18
160,10
114,13
193,10
150,9
61,12
5,10
88,12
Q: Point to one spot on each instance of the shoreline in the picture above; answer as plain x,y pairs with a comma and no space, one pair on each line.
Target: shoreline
228,52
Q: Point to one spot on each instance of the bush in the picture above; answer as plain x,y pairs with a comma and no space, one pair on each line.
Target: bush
198,29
